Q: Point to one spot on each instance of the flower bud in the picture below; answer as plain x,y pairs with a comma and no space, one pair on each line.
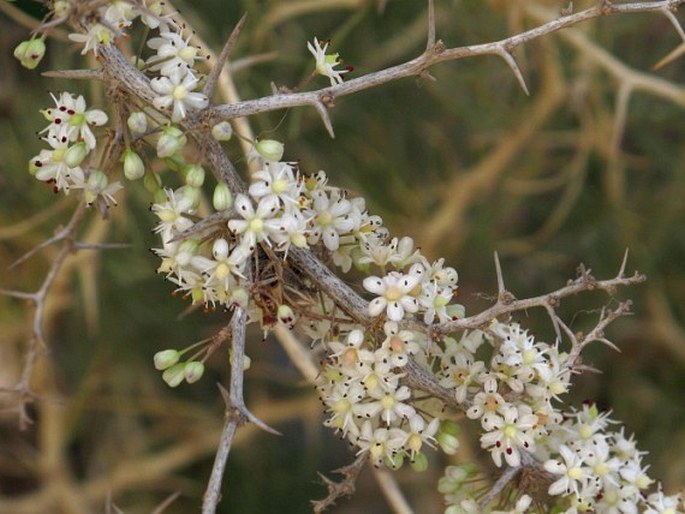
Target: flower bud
170,142
133,165
153,183
75,154
61,8
394,462
191,194
175,163
286,315
419,463
159,196
222,131
30,53
195,175
269,149
137,123
247,362
166,358
239,298
222,199
193,371
174,375
448,443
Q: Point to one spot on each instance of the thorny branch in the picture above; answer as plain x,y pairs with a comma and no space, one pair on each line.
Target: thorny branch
117,69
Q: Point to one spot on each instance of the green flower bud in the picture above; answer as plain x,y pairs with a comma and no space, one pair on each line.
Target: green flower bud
30,53
449,426
395,462
448,443
61,8
193,194
269,149
133,165
152,182
137,123
195,175
175,163
456,311
193,371
174,375
166,358
419,463
247,362
222,199
75,154
286,315
159,196
239,298
222,131
170,142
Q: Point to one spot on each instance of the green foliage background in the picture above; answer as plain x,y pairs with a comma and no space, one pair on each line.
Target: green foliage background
466,164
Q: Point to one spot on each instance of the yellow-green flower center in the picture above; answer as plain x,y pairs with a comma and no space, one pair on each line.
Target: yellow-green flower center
179,93
256,225
393,293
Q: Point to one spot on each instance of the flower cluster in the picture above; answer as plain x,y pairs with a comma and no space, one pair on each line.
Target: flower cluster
589,469
71,141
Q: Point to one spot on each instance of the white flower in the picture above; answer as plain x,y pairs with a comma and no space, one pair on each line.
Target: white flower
224,267
97,35
325,64
177,91
420,434
350,355
70,120
511,432
330,218
174,55
397,346
98,188
394,298
50,167
119,14
381,443
172,215
342,403
389,405
659,503
434,300
574,473
278,179
256,225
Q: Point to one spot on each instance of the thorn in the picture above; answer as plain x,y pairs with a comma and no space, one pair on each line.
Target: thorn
431,25
674,21
325,118
511,62
622,271
501,289
672,56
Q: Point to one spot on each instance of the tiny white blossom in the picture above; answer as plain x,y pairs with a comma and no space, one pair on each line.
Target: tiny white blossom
394,298
176,91
325,64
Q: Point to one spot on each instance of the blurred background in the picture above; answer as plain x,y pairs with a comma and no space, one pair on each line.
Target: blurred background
589,164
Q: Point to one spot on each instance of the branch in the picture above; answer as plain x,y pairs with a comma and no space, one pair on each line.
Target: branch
433,55
345,487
